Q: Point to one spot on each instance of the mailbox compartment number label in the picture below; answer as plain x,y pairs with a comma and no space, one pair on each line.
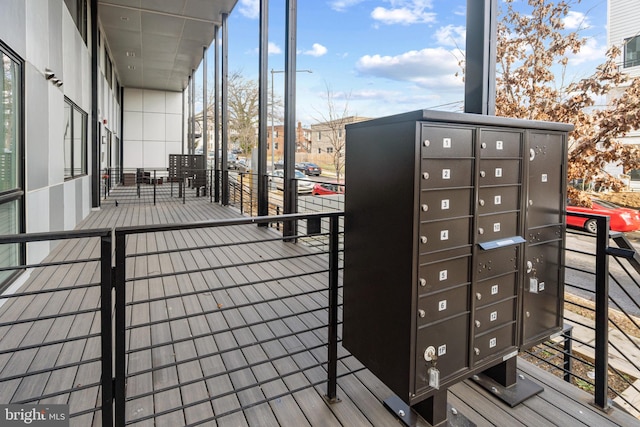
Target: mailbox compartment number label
446,173
493,342
496,227
497,200
444,235
446,142
442,305
494,290
493,316
499,145
498,173
443,275
444,204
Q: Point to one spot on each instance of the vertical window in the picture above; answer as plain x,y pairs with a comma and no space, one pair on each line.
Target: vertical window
75,141
632,52
339,133
11,167
319,136
108,69
78,11
330,150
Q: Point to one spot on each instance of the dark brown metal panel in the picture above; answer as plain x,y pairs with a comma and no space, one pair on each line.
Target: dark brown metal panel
442,304
495,289
443,274
438,141
380,266
498,199
494,315
499,172
441,204
542,296
544,234
496,262
446,234
500,143
450,349
494,342
446,173
546,179
497,226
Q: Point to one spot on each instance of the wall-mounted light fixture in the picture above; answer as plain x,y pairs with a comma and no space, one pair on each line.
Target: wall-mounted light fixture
51,76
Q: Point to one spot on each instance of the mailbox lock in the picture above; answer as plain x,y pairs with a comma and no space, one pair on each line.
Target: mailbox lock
478,296
532,154
482,174
425,207
477,323
483,145
476,350
480,230
426,143
423,282
423,239
481,202
430,353
529,267
422,313
425,175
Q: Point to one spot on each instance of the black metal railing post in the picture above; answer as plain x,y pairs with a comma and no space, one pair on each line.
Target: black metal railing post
332,348
155,182
568,348
241,191
120,329
106,330
602,314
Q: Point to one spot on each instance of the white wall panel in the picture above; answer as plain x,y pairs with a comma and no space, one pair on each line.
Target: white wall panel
153,126
154,101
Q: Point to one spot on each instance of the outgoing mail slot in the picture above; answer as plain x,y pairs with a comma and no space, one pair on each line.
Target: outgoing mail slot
494,315
441,204
445,173
498,226
496,262
452,351
493,342
439,305
443,274
495,289
499,172
498,199
439,235
447,142
500,144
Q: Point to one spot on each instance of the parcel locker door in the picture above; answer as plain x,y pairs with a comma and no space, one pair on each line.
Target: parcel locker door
546,179
543,292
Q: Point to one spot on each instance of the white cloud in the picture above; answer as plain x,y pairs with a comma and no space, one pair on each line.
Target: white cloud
576,20
451,35
342,5
427,68
317,50
250,8
405,12
590,52
274,49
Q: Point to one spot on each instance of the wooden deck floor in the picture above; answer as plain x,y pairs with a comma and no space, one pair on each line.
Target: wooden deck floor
279,392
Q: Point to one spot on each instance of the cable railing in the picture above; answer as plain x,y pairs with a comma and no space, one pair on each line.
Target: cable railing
597,349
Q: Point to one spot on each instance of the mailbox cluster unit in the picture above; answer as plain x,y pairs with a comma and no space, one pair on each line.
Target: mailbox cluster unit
454,238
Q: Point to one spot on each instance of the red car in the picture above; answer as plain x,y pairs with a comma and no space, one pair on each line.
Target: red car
323,188
620,218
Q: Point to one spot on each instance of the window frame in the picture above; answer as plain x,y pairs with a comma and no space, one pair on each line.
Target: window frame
629,63
73,142
16,193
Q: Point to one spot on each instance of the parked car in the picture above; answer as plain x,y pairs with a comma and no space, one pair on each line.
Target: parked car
278,165
324,188
304,185
620,218
309,168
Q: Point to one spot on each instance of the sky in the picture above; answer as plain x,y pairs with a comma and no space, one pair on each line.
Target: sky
381,57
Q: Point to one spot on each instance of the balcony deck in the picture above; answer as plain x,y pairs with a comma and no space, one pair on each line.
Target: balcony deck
295,398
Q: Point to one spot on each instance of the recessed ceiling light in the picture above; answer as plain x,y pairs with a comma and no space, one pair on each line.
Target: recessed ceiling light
124,18
131,53
131,67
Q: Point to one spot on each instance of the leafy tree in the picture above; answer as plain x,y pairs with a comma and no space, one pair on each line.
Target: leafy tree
532,54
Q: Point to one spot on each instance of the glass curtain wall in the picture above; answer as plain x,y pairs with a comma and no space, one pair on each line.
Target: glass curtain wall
11,191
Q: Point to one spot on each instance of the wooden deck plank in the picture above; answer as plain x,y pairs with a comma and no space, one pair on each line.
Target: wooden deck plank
362,393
